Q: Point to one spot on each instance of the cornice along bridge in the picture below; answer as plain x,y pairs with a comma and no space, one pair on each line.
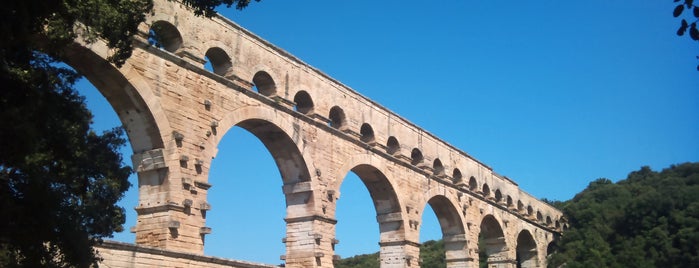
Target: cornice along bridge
317,130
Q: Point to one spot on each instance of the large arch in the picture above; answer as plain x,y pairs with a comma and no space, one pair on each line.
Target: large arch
126,91
389,215
453,231
526,250
492,244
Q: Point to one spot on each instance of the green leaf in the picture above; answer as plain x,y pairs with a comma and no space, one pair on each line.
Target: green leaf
678,11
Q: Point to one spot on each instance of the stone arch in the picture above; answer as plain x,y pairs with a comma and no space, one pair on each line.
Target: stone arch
486,190
265,84
526,250
337,117
127,92
492,242
416,157
304,102
472,184
548,221
520,206
509,201
165,35
273,132
392,146
498,196
220,62
452,227
384,195
367,133
539,216
530,210
457,176
437,167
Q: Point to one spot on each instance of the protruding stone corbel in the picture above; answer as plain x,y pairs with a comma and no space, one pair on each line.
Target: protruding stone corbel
389,217
299,187
149,160
205,230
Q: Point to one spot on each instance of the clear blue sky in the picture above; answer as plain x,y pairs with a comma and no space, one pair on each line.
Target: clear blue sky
553,94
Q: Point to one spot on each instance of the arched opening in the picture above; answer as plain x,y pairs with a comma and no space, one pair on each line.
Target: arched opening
219,61
264,84
416,157
498,196
456,175
539,217
164,35
354,213
304,103
367,133
526,250
472,184
255,159
520,206
558,224
530,210
454,244
392,146
337,118
437,167
491,242
486,190
548,221
509,201
552,247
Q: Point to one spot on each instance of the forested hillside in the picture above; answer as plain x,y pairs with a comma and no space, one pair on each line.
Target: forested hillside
649,219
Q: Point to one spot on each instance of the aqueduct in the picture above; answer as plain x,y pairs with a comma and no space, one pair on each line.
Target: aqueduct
317,130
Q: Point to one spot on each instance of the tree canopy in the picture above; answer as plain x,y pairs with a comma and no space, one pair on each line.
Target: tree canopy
650,219
59,180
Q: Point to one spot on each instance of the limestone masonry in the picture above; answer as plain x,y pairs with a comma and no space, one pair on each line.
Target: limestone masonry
317,130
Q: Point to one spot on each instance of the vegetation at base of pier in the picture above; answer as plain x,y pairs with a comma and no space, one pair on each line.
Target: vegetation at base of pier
649,219
59,180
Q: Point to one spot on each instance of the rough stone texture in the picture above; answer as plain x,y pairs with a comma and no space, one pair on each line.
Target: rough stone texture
317,130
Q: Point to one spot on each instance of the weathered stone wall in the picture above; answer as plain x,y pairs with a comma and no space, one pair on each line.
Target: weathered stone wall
122,255
317,130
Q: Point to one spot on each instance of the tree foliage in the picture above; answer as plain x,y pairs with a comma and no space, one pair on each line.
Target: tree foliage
432,254
690,13
650,219
59,180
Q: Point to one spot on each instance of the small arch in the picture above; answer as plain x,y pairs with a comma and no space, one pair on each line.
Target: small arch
304,103
486,190
520,206
456,175
530,210
392,146
472,184
367,133
264,84
220,61
548,221
437,167
498,196
552,247
509,201
539,217
558,224
526,250
163,34
416,156
337,118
